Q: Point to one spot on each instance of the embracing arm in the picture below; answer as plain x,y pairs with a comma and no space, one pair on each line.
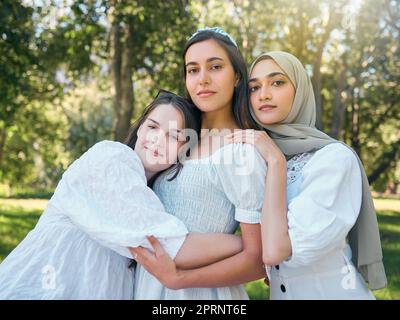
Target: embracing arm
201,249
274,224
243,267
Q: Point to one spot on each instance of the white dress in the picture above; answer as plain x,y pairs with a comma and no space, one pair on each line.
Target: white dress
211,194
78,249
324,199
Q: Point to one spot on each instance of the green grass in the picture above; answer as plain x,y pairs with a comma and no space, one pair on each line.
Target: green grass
18,217
15,223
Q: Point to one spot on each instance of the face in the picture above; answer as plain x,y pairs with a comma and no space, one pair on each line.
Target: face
210,78
160,138
271,92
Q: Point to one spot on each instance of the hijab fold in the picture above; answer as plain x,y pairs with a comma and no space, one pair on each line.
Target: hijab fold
297,134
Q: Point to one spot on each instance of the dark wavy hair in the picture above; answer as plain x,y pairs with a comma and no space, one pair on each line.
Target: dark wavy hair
240,101
192,120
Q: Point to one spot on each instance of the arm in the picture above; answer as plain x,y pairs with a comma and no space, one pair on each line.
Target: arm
105,195
274,224
243,267
327,205
200,249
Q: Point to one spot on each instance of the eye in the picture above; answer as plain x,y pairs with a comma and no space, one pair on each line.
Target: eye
151,126
278,83
216,67
192,70
253,89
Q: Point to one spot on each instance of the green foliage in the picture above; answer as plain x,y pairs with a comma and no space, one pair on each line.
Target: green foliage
51,50
17,58
89,115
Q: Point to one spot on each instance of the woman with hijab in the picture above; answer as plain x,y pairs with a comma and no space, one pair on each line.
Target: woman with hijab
319,228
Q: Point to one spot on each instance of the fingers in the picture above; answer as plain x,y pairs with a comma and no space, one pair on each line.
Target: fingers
133,252
158,248
141,254
154,243
244,136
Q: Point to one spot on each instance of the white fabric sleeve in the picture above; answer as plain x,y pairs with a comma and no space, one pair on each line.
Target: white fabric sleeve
105,194
240,171
327,205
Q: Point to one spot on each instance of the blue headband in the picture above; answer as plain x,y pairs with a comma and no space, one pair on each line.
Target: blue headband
215,30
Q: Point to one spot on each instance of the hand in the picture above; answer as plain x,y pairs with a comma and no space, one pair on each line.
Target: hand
159,263
261,140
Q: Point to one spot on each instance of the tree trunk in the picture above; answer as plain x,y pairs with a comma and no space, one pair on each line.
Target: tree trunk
3,135
125,111
317,78
387,159
339,106
116,69
300,43
317,86
355,125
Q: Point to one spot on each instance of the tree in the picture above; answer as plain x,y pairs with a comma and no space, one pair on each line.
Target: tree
143,39
17,62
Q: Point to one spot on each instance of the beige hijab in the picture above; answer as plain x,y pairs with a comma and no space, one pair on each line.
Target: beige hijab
297,134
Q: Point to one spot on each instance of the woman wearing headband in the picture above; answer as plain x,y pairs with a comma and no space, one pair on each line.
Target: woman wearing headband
319,228
215,188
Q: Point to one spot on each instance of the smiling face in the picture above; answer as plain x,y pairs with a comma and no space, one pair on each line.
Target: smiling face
271,92
159,138
210,77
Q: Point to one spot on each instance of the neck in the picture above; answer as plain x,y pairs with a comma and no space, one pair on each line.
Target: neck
149,174
219,119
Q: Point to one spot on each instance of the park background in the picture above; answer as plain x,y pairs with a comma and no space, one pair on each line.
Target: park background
74,72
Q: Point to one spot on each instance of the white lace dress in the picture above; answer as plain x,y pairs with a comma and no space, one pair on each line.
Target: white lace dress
324,199
78,248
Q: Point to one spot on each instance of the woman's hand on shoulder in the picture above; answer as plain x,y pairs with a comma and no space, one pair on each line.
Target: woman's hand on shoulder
261,141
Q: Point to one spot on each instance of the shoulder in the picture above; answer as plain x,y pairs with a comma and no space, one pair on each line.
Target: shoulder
239,159
107,151
240,152
333,157
111,146
336,151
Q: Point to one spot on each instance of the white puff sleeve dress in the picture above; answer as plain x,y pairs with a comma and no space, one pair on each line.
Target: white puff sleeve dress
78,249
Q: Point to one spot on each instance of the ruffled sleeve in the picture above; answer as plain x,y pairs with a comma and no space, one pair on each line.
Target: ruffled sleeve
326,206
105,194
240,171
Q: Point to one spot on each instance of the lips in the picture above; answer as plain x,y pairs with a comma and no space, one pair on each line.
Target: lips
155,153
205,93
266,107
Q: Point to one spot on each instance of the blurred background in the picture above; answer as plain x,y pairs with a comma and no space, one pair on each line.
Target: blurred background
74,72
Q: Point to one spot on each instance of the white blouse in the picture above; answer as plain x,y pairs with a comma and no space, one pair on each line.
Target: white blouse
78,249
324,197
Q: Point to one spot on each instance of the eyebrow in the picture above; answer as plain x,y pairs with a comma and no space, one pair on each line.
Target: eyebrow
153,121
269,76
208,60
